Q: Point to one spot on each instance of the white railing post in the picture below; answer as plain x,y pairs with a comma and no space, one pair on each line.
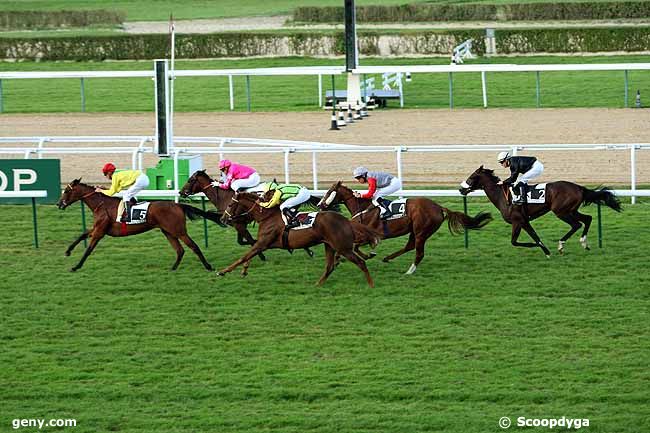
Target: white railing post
141,151
134,159
401,92
633,172
286,165
40,147
484,89
231,92
314,170
221,143
320,90
176,152
398,157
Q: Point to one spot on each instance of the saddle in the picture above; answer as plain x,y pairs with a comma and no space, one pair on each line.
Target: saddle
138,214
529,194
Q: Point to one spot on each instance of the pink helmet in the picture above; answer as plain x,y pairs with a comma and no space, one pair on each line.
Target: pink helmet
224,163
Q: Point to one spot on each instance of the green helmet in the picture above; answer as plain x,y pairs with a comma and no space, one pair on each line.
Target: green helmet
268,186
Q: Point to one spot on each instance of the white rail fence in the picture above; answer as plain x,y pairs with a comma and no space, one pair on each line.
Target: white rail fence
320,71
229,145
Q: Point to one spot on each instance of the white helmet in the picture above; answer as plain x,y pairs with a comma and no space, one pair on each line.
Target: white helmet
503,156
360,171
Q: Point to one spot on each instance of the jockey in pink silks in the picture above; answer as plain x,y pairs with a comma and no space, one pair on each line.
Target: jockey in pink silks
237,176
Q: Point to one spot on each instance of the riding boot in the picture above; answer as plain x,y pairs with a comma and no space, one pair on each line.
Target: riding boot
289,218
127,211
386,212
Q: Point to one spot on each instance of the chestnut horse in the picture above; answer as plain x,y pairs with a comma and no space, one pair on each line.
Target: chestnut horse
168,216
329,228
563,198
200,181
423,218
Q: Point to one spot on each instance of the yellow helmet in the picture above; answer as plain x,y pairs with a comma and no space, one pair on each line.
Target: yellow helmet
268,186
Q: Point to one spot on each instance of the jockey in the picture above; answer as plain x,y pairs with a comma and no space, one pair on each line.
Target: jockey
289,197
237,176
526,166
133,181
380,185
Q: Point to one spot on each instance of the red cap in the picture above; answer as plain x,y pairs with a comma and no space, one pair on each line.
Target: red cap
108,168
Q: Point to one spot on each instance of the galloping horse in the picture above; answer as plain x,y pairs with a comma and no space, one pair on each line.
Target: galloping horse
200,181
329,228
563,198
169,217
423,218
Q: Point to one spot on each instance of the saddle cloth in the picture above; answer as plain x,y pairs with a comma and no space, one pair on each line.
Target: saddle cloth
138,214
398,209
306,220
535,193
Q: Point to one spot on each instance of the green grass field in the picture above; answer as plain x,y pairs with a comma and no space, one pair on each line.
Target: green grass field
126,345
506,90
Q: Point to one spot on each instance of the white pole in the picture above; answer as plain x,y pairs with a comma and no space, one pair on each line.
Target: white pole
40,147
170,131
399,163
633,172
401,91
134,159
484,89
286,166
176,174
221,143
320,90
232,93
314,169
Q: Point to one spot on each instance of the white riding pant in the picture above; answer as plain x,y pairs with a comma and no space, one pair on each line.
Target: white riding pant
141,182
294,202
393,186
248,182
536,170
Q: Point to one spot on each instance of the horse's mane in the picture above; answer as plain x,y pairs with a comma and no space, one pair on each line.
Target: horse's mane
491,174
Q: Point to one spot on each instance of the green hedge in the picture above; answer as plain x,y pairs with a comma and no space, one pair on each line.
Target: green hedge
27,20
422,12
593,40
306,44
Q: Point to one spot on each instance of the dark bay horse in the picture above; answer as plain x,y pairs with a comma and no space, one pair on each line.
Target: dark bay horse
200,181
562,198
168,216
423,218
330,228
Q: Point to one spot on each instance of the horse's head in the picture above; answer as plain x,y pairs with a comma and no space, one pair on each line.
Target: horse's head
72,193
333,196
196,183
241,205
478,180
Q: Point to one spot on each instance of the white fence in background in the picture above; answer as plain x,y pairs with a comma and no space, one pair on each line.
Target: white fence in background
320,71
229,145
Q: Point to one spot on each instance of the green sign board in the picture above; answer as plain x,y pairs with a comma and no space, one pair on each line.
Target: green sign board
30,175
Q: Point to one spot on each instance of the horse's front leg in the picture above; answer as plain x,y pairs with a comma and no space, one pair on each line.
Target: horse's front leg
83,236
255,250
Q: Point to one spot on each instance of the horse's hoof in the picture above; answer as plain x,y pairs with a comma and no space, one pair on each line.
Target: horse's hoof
372,253
67,253
411,269
548,256
221,273
73,269
587,248
209,268
244,274
385,260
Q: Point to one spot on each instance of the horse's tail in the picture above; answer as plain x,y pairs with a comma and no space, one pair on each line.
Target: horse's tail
601,196
364,235
458,221
193,213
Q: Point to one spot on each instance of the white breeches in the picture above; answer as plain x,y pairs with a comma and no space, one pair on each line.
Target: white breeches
141,182
536,170
249,182
394,185
294,202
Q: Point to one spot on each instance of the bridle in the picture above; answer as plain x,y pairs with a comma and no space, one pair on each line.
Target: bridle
239,215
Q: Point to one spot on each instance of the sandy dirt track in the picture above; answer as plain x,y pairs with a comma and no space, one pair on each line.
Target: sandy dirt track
396,127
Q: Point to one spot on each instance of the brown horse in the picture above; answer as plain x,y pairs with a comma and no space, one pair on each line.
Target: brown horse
330,228
169,217
200,181
563,198
423,218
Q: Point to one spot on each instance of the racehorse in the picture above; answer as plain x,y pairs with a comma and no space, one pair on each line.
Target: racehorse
200,181
563,198
423,218
169,217
329,228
